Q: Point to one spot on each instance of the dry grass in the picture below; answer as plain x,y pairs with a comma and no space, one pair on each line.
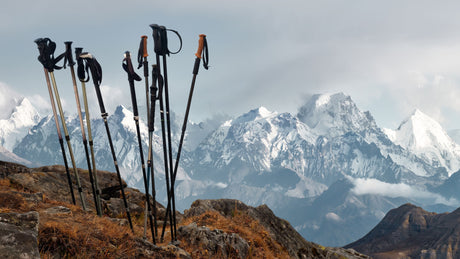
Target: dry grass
260,242
85,236
82,234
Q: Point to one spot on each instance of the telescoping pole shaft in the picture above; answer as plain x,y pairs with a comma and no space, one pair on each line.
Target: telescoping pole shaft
202,46
96,73
131,77
67,137
58,129
82,126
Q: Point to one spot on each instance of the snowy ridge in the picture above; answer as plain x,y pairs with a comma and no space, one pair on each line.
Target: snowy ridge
20,120
334,115
305,166
427,139
8,156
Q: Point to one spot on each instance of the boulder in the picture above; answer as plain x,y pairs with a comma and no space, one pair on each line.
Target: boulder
18,235
216,242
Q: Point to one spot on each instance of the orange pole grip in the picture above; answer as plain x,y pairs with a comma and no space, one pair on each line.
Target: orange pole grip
144,42
200,46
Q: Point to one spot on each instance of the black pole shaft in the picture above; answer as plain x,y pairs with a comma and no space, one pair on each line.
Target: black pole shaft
112,150
184,127
131,77
139,140
165,152
168,124
149,212
104,116
151,123
61,141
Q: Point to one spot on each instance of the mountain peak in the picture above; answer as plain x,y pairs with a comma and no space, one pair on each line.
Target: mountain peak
419,131
425,137
334,114
258,113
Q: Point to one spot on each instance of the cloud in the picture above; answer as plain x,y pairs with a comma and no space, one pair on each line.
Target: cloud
111,96
364,186
42,105
333,217
390,56
8,100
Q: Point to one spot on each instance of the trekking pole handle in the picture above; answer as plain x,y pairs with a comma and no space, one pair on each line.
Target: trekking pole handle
200,45
144,44
68,53
131,77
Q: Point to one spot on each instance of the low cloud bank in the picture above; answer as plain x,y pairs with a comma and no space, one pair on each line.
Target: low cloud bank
364,186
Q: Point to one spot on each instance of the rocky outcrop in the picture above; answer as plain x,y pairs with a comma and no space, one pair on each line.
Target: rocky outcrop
8,168
216,242
18,235
411,232
65,230
278,229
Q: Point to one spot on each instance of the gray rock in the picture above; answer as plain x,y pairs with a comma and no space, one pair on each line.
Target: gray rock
18,235
279,229
216,242
59,210
116,207
145,249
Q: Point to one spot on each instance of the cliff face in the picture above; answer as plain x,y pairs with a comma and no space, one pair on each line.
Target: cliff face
210,228
410,231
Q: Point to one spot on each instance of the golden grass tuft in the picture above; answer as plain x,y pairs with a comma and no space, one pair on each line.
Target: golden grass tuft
85,236
261,245
11,201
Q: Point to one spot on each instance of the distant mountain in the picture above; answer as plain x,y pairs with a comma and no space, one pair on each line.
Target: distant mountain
411,232
306,167
42,145
17,122
334,115
426,138
8,156
341,211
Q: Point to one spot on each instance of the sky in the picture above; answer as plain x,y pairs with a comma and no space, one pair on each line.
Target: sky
391,56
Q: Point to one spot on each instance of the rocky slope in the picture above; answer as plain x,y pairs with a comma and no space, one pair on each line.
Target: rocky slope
411,232
35,208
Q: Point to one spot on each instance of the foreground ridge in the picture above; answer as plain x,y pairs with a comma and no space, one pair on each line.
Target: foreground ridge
32,204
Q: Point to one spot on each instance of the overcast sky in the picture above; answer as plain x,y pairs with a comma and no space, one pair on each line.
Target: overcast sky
390,56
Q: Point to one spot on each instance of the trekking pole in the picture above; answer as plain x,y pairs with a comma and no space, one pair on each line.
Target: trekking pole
68,58
160,47
81,76
156,76
142,60
58,129
202,47
96,74
132,76
49,61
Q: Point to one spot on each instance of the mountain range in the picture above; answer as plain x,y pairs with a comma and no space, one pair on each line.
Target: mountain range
329,169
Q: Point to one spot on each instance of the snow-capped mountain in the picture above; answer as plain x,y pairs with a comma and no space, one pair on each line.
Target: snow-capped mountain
17,122
333,115
42,145
285,161
6,155
425,137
